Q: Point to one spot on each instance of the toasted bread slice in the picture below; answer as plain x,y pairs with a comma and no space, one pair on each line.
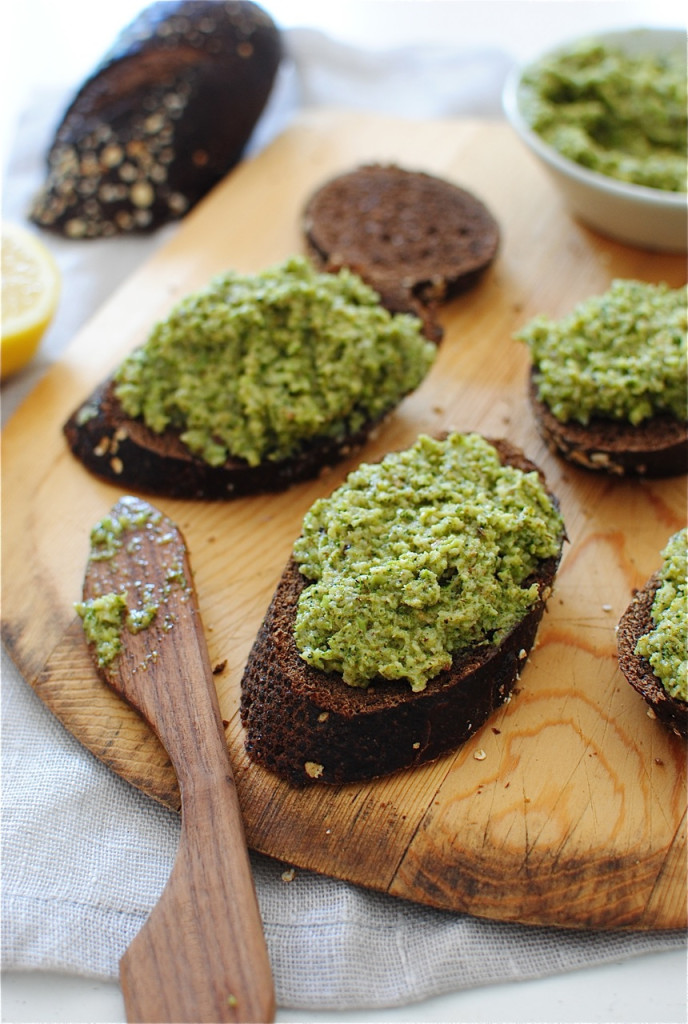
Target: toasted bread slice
415,238
125,451
307,725
635,622
251,384
657,447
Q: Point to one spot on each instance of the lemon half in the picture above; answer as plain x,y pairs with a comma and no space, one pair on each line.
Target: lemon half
30,292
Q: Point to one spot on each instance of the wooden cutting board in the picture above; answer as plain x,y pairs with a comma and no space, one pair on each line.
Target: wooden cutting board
569,807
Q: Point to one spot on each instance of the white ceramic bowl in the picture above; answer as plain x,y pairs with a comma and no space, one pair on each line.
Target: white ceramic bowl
645,217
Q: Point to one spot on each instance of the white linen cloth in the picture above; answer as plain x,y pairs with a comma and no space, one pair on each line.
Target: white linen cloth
84,855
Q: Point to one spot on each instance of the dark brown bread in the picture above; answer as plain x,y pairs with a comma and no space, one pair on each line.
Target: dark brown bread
164,116
655,448
417,239
635,622
309,726
125,451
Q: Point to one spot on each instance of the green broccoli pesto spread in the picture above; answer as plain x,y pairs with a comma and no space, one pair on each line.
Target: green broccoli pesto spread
621,355
621,115
103,620
106,615
419,556
108,535
665,646
252,366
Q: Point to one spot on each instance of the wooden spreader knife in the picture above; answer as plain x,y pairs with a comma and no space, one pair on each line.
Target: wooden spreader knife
201,954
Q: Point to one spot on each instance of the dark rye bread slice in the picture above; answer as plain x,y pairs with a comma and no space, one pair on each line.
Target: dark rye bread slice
658,447
415,238
635,622
308,726
165,115
125,451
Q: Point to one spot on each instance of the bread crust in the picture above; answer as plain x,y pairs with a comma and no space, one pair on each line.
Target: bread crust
125,451
655,448
308,726
418,240
165,115
635,622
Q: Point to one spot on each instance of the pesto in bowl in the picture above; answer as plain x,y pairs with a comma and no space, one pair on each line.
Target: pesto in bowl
617,207
620,113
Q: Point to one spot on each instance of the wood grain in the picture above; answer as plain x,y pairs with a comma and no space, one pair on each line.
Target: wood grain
576,814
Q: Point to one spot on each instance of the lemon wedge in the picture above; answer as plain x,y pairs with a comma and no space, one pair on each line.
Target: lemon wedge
30,292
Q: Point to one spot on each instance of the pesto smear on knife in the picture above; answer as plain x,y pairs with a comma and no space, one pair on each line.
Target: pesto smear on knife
419,556
620,114
665,647
620,355
107,614
253,366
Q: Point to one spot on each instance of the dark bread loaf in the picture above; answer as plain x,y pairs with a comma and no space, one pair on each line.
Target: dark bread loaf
657,447
123,450
165,115
307,725
417,239
635,622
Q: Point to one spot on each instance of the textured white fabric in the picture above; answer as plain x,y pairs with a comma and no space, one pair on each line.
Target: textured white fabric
84,855
420,81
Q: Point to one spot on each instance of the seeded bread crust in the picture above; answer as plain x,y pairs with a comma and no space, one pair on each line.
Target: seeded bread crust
125,451
165,115
417,239
634,623
655,448
308,726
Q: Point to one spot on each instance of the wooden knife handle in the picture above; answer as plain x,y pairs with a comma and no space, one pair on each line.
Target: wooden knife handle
200,956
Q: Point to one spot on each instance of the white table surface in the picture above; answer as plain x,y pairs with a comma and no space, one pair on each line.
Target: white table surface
650,989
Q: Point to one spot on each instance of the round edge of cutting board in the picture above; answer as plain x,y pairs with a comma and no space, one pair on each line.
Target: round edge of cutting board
331,142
